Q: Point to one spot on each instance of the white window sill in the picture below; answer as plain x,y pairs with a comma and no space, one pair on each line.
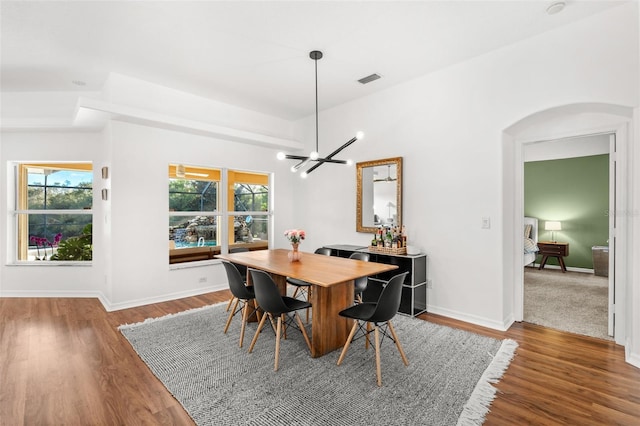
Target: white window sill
194,264
48,263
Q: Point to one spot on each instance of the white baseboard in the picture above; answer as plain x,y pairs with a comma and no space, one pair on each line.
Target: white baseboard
472,319
163,298
569,268
631,358
52,293
110,307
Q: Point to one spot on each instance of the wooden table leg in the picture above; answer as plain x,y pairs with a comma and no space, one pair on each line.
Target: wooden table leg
329,330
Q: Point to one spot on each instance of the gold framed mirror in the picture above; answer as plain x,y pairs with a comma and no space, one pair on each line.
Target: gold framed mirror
378,194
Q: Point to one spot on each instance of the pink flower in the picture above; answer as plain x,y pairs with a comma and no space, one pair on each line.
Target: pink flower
295,235
44,242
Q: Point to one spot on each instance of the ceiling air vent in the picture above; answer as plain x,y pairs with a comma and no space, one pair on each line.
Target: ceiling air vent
369,78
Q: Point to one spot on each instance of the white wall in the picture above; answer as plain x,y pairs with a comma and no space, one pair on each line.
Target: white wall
139,210
448,127
131,265
50,279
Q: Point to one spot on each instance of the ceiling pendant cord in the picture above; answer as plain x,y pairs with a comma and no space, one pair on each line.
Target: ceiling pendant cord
316,55
316,64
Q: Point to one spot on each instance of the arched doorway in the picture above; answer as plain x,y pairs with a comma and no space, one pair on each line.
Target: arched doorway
557,123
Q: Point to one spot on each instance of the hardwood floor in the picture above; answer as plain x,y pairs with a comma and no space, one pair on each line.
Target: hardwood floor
63,361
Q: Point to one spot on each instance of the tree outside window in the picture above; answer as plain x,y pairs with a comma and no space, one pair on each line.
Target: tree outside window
54,212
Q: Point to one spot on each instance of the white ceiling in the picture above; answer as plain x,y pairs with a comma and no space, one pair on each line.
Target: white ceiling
256,54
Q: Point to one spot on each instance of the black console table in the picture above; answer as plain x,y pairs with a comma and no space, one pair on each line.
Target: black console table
414,289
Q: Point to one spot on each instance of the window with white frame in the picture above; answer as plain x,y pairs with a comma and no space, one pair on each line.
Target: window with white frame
200,205
53,212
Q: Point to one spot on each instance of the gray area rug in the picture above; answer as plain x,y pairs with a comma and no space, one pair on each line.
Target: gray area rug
448,380
574,301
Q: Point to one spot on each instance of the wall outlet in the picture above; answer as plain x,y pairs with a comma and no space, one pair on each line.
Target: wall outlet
429,284
202,280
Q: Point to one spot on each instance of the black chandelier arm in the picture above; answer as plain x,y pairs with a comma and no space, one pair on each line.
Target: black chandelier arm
296,157
352,140
319,160
329,158
315,166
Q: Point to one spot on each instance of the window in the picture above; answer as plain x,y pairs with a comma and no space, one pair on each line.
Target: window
250,207
53,212
199,205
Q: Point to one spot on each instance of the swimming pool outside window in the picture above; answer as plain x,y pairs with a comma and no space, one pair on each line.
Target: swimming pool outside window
197,212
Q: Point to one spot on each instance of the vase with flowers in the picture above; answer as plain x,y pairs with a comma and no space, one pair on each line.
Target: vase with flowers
295,237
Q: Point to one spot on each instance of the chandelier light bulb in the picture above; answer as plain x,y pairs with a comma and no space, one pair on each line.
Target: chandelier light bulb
303,175
294,169
349,162
280,155
314,155
360,135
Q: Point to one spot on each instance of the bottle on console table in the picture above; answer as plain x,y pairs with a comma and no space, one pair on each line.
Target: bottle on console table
404,236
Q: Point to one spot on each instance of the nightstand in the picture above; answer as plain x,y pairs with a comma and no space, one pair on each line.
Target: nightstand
553,249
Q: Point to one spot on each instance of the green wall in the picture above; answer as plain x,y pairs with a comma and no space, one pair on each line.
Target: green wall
574,191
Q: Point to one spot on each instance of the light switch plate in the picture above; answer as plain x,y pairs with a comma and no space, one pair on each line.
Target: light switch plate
486,222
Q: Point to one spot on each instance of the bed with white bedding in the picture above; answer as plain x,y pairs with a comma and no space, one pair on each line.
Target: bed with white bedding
530,240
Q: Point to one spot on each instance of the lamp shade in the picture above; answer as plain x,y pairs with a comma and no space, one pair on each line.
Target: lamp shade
552,226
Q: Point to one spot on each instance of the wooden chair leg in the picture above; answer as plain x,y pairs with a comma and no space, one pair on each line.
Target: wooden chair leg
395,337
245,317
348,342
235,305
279,327
377,341
255,337
302,329
229,304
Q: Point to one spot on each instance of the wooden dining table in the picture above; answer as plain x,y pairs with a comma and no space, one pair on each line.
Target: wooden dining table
331,278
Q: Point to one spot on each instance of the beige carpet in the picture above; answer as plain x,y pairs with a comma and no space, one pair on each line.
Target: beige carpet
575,302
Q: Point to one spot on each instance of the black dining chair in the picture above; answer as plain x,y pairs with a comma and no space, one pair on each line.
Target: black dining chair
241,268
242,295
379,314
275,305
359,284
303,287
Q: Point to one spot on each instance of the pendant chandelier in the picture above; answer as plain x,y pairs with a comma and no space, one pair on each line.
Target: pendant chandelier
314,156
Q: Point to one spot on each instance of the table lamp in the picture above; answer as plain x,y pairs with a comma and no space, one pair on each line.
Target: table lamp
552,226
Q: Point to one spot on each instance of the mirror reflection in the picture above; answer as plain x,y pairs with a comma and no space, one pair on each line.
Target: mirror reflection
379,194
